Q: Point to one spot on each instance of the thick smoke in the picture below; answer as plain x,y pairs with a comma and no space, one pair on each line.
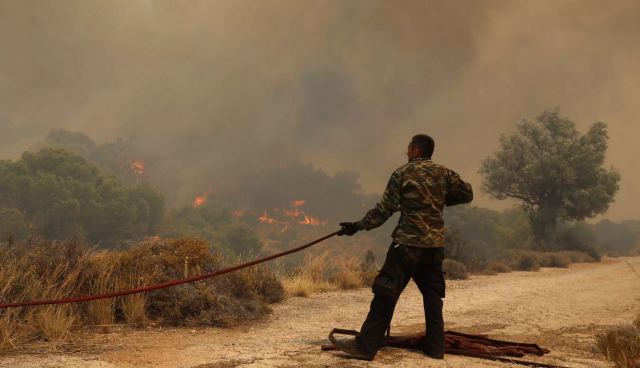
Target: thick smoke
219,92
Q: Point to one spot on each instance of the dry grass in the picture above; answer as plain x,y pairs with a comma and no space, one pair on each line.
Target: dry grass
621,345
54,322
349,275
38,273
133,308
319,273
36,270
311,277
101,312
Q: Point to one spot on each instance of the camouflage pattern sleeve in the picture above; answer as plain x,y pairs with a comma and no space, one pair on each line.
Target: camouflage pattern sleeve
389,204
458,191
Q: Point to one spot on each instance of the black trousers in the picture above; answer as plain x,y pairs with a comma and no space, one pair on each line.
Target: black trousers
404,262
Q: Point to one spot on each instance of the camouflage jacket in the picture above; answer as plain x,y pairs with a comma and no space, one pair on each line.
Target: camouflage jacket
419,190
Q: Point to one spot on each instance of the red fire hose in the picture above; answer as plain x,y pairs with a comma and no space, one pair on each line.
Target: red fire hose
144,289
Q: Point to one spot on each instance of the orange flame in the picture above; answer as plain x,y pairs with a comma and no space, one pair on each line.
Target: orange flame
137,166
309,220
199,201
268,219
285,217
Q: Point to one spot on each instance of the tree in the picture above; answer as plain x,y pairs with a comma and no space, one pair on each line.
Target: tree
113,157
56,194
553,171
213,222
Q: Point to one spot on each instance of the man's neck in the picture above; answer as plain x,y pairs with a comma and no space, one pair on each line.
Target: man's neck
419,158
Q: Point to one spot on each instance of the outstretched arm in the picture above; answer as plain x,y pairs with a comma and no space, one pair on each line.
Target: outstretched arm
458,191
389,204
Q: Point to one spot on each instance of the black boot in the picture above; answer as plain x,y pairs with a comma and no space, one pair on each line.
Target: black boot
353,348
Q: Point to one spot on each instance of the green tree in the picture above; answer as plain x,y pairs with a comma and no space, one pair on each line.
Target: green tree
214,223
553,171
112,157
56,194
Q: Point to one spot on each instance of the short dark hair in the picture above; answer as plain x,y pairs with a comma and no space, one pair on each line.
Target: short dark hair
424,143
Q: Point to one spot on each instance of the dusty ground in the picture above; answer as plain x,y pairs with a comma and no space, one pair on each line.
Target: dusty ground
557,308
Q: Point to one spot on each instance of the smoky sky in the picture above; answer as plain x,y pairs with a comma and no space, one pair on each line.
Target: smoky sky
220,91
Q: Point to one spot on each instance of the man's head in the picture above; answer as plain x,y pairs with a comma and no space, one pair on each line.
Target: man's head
421,145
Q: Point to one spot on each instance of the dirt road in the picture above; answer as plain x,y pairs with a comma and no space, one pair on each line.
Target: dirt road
557,308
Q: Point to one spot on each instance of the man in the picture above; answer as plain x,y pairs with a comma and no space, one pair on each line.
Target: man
419,190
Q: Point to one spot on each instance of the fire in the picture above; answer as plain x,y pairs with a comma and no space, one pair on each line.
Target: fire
287,216
199,201
309,220
137,166
265,218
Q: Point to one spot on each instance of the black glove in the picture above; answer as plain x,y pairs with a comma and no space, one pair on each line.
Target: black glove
349,228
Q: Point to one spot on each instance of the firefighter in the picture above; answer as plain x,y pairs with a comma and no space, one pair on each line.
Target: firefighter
420,190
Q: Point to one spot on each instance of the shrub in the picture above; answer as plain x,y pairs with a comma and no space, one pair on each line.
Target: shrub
496,267
577,256
555,259
368,268
310,277
348,275
621,345
455,270
226,300
38,272
526,261
318,273
38,269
